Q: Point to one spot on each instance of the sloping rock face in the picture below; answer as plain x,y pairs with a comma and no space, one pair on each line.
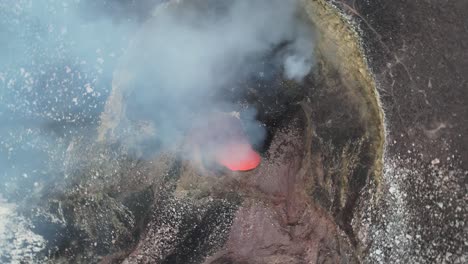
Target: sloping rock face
278,221
417,52
275,219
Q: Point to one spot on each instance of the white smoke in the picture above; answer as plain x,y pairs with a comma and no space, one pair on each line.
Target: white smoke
190,52
207,44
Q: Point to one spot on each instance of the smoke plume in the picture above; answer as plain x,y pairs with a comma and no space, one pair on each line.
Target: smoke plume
190,57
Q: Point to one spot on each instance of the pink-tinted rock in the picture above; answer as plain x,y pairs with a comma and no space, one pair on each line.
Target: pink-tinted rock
279,223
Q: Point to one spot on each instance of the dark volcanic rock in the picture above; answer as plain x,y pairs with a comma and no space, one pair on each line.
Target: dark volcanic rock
417,51
181,231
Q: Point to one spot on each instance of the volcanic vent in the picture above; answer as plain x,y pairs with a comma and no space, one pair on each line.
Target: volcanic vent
317,125
285,84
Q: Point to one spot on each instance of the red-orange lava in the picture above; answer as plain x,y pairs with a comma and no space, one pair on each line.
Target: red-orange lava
238,157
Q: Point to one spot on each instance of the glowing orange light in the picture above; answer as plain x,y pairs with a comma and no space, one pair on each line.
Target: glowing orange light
238,157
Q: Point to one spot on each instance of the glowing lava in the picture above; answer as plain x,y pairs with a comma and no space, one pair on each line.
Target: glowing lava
219,137
238,157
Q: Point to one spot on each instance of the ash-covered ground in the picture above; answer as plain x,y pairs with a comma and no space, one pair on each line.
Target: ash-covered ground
417,51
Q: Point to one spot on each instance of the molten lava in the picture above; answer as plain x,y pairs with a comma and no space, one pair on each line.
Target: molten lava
238,157
220,138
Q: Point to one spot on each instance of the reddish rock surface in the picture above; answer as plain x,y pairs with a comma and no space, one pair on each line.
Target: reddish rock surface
277,221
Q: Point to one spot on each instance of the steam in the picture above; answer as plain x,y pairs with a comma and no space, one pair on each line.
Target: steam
186,58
